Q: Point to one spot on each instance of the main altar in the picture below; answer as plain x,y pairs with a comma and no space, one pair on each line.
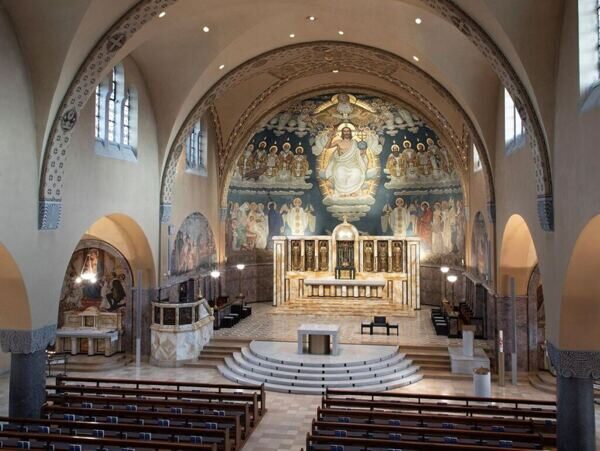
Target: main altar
346,265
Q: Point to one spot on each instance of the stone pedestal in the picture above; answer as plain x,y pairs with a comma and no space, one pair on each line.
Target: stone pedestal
462,364
482,383
468,336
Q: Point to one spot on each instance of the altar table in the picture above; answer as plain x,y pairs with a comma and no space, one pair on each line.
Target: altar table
329,330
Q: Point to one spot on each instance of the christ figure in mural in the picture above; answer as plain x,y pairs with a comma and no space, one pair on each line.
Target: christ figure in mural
347,166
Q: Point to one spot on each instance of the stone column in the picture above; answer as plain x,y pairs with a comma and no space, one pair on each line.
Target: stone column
27,392
575,397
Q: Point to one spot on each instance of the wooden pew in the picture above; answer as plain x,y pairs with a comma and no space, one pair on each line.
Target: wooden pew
153,404
318,442
232,422
424,433
395,405
220,436
467,400
178,385
49,439
516,425
239,398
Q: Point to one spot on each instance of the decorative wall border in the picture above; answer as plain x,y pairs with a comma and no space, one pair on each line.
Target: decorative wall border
80,90
578,364
96,63
300,60
27,341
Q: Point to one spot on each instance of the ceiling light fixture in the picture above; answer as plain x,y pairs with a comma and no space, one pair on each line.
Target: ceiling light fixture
162,14
205,29
292,35
341,33
418,21
416,58
222,66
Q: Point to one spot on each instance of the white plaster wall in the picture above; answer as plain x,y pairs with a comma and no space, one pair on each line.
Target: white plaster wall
94,186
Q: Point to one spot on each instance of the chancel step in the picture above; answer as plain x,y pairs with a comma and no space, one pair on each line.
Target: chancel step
385,371
343,306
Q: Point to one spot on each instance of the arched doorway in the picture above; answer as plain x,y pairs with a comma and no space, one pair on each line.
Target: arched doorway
518,259
580,309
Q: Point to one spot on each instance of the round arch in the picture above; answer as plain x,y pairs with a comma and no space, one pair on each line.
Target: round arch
518,256
125,234
580,309
14,302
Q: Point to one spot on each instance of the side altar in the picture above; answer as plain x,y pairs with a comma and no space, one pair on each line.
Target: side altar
347,265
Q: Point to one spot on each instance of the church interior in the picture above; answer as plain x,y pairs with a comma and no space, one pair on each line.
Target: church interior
318,225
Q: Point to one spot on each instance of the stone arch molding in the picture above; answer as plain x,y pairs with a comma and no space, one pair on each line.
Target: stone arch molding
293,62
81,88
78,93
244,128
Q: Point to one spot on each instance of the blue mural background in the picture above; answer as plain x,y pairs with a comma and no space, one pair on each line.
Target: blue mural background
272,175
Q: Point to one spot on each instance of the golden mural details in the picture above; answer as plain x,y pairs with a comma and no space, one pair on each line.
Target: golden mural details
321,160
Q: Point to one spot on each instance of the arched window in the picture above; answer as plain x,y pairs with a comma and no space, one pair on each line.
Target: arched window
589,53
195,151
513,125
116,117
476,160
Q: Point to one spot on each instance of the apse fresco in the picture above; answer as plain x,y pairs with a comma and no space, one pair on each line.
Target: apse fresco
366,159
480,258
194,247
109,291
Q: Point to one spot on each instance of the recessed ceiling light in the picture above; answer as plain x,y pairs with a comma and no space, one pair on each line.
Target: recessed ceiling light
418,21
341,33
292,35
311,18
162,14
222,66
335,71
416,58
205,29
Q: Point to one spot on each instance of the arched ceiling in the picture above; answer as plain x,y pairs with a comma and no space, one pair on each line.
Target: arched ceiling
471,48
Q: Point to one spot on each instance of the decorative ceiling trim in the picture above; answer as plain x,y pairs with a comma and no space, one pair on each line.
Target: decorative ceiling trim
296,61
80,90
244,130
538,143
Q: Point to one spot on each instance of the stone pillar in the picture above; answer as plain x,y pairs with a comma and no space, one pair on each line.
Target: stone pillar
575,397
27,392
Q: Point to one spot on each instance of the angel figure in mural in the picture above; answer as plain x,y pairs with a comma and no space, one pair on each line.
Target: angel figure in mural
298,219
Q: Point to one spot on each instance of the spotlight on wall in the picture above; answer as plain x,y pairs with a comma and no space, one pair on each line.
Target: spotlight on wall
452,278
240,266
311,18
341,33
162,14
292,35
215,274
416,58
444,269
222,66
418,21
335,71
205,29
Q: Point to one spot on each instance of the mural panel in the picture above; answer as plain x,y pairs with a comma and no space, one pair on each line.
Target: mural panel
480,253
194,248
370,160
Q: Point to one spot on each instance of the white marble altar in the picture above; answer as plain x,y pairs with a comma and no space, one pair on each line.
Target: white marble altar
462,364
332,330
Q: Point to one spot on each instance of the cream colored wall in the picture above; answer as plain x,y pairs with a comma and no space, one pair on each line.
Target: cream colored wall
95,186
193,193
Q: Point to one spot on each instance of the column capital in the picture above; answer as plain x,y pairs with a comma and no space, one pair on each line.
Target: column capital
27,341
578,364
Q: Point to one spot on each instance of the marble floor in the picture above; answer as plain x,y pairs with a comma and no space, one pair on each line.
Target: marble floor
263,324
289,416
